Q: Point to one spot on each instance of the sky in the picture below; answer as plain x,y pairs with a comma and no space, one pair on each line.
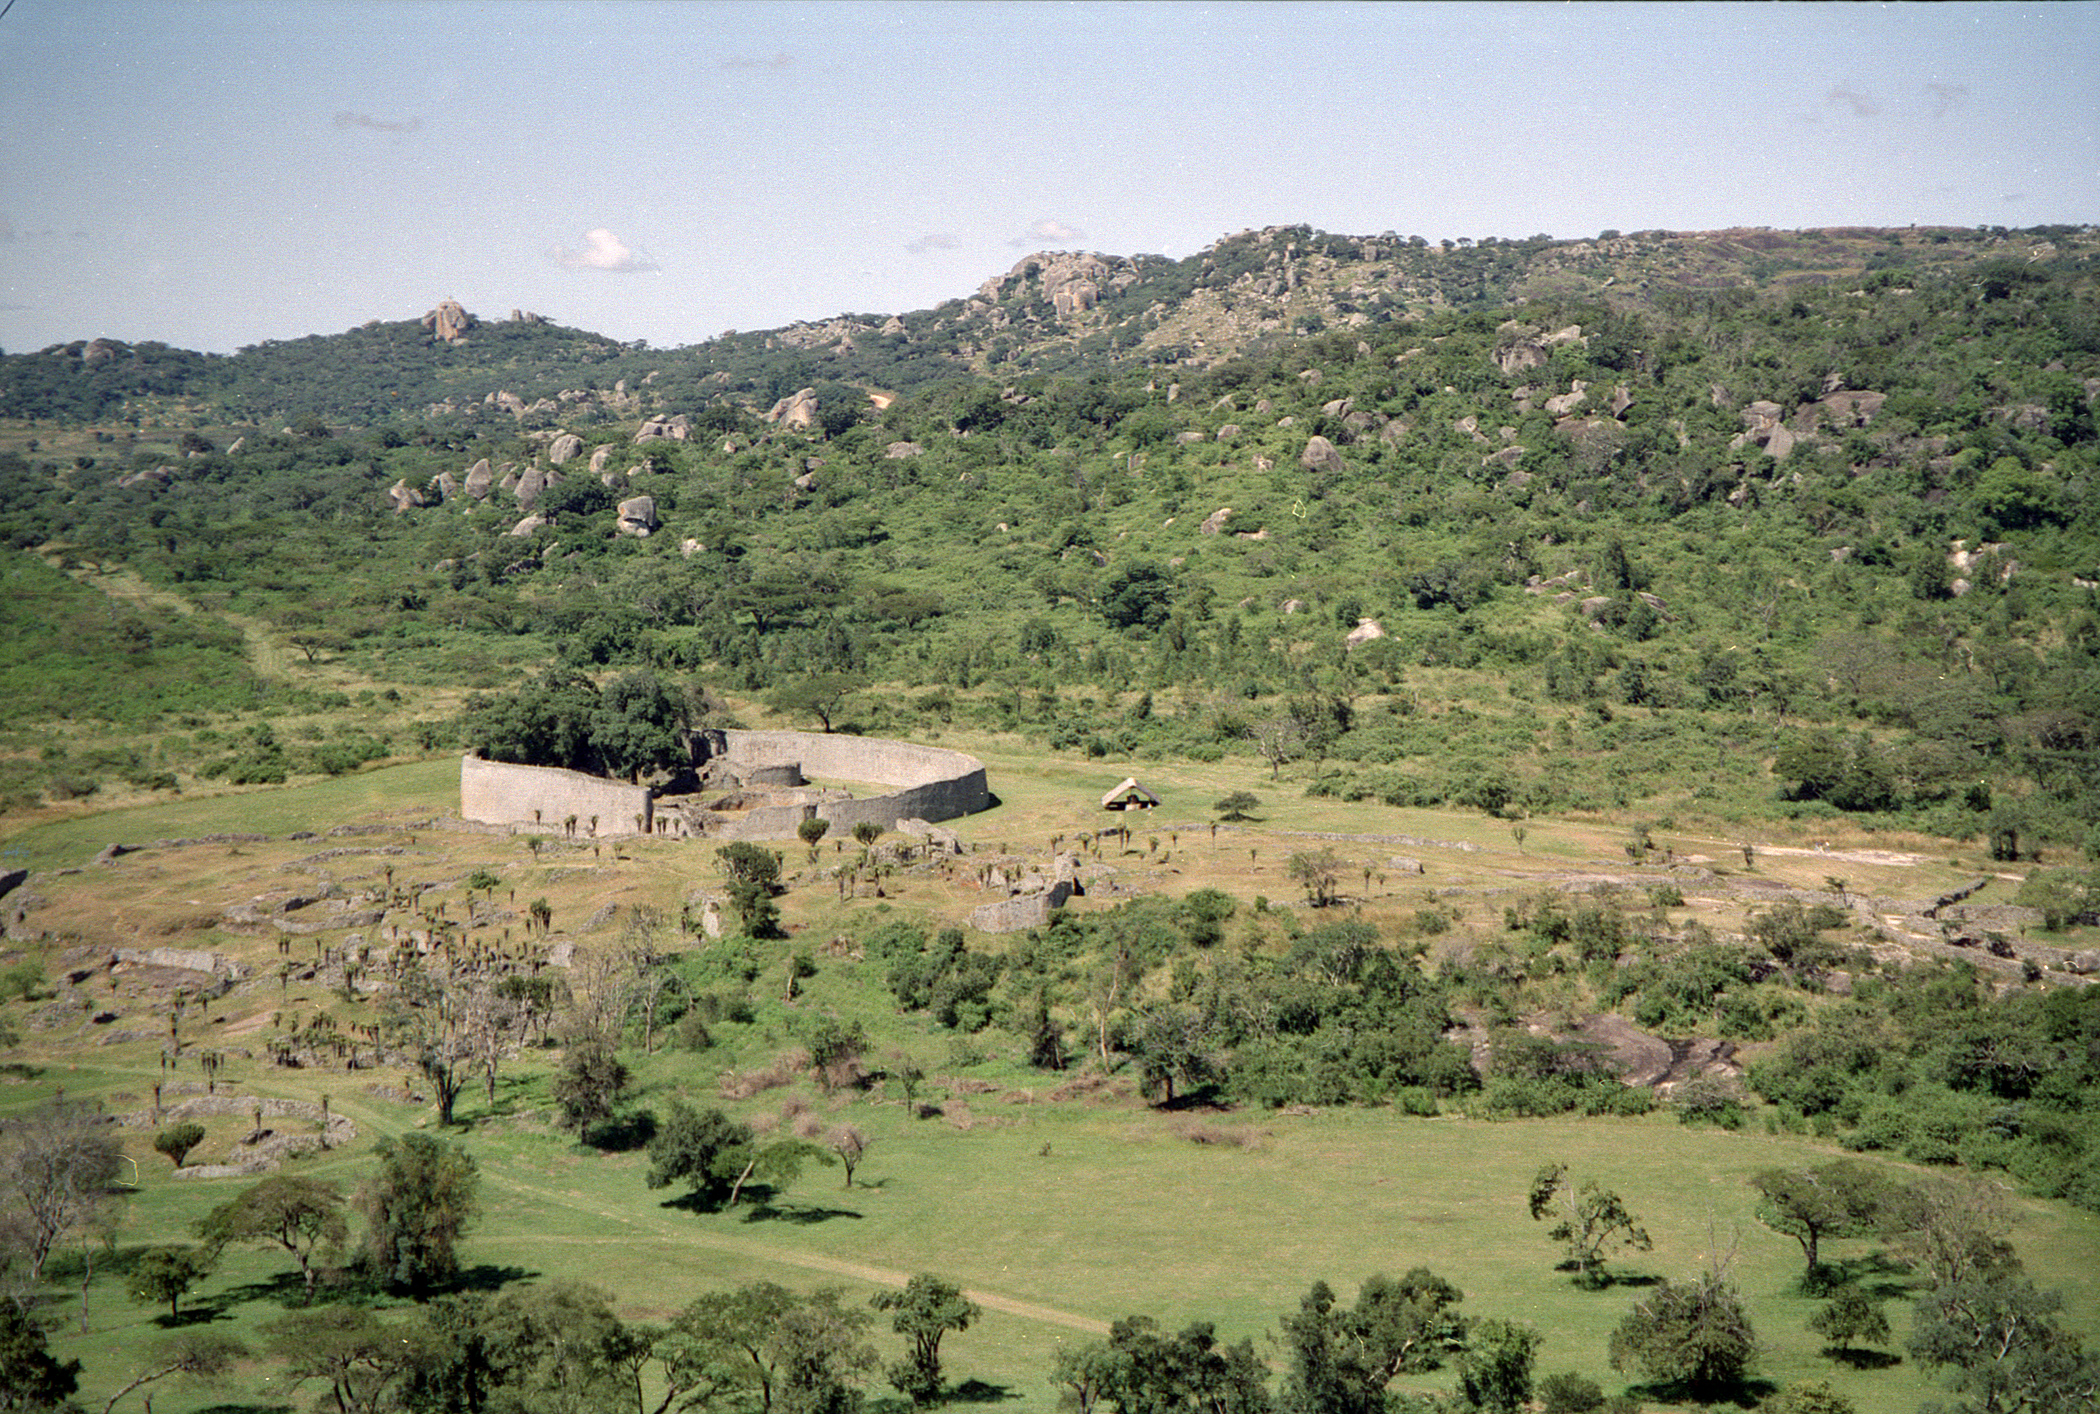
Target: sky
214,174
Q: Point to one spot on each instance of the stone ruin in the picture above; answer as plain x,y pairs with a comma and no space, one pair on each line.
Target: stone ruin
743,785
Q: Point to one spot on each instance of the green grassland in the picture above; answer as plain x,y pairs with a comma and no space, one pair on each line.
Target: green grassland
1061,1203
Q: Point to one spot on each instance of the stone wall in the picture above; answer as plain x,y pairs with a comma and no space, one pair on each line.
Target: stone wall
932,782
499,793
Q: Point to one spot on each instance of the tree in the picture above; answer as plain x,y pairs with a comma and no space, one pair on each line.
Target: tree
167,1274
204,1354
589,1083
851,1146
1692,1336
304,1216
1343,1358
1849,1318
31,1379
754,877
362,1358
1140,1369
1591,1219
416,1208
810,831
1843,1198
1994,1338
1172,1046
1278,742
177,1140
1239,805
705,1150
56,1168
924,1311
1494,1370
821,695
639,725
1318,872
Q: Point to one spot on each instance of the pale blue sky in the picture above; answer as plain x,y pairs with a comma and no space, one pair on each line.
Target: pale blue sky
214,174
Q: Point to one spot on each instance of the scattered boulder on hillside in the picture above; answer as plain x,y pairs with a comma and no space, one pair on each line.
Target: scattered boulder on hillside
1215,521
529,525
449,321
638,516
798,410
902,451
1565,403
1365,631
479,480
564,447
678,428
1320,455
1294,606
509,402
449,487
600,459
404,496
533,485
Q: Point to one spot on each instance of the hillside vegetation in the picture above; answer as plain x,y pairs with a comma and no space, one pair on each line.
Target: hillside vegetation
1715,612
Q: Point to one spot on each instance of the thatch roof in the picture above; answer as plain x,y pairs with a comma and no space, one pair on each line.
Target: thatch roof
1129,794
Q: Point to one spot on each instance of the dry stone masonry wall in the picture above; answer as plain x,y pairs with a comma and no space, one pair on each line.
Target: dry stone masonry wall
927,783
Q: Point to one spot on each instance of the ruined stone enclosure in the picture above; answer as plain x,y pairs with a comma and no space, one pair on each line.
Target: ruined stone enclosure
752,786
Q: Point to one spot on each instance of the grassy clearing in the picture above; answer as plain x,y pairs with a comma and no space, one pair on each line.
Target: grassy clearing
1061,1215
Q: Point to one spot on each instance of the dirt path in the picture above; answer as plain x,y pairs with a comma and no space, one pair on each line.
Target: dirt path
269,658
809,1261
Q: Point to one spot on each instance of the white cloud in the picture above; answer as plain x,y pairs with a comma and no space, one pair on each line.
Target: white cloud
933,241
1050,230
1861,104
348,119
605,251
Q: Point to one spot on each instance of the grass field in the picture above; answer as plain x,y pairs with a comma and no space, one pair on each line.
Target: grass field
1060,1215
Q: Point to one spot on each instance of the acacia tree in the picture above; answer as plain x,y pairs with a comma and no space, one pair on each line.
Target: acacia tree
1843,1198
1342,1358
1590,1219
1318,872
167,1274
1692,1336
416,1207
57,1165
304,1216
924,1311
177,1140
202,1353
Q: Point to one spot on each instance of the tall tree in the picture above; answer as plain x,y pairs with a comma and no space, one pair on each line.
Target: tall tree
1693,1335
1590,1219
304,1216
924,1311
57,1165
416,1208
1843,1198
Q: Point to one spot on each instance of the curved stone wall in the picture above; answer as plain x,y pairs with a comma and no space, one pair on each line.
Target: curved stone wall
931,782
500,793
928,783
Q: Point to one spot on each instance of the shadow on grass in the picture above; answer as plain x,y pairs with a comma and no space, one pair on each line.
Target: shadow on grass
201,1313
1603,1279
1861,1359
800,1214
247,1409
1204,1097
1877,1275
487,1276
978,1392
1743,1394
285,1288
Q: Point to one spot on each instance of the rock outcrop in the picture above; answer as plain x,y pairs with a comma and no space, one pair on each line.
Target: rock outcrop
404,496
449,321
678,428
563,448
479,480
1320,455
798,410
638,516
